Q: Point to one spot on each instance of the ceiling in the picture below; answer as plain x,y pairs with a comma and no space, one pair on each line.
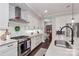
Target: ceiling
54,9
21,5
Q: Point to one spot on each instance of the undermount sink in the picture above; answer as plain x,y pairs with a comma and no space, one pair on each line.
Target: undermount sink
62,43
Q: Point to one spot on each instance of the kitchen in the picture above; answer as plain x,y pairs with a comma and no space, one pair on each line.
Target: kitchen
33,29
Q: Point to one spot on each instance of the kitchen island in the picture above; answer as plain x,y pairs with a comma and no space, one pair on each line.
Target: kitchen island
59,51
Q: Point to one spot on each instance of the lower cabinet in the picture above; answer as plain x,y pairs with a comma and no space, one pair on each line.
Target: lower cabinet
9,49
35,41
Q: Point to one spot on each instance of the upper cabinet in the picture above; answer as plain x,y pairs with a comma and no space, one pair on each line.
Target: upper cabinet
4,15
11,11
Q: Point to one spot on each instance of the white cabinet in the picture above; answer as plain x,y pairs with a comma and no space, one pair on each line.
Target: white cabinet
9,49
32,43
11,11
35,41
4,15
24,15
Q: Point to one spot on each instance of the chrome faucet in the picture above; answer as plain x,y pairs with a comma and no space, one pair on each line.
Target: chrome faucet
72,41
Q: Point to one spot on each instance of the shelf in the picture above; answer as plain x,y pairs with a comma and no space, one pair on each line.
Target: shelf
19,20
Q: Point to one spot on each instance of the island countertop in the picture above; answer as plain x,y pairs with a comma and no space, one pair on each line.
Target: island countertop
59,51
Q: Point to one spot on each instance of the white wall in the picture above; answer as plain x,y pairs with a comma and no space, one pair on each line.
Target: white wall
27,15
61,21
4,15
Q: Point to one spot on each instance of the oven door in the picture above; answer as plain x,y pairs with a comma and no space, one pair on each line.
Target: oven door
24,47
21,47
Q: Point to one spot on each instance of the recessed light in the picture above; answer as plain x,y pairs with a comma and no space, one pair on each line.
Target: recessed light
45,11
72,21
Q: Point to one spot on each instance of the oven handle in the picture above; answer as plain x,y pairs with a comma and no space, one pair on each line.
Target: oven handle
21,42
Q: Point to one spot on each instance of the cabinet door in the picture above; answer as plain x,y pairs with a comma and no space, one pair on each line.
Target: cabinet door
38,40
33,42
9,49
12,52
4,15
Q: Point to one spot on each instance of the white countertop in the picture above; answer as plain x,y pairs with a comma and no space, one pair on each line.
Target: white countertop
6,41
34,35
59,51
12,40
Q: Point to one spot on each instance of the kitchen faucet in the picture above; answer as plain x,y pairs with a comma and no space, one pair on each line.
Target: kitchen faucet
72,41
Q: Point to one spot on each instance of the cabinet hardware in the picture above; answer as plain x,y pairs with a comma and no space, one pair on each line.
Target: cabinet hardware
10,45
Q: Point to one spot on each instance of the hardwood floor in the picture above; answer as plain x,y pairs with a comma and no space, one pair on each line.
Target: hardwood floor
43,45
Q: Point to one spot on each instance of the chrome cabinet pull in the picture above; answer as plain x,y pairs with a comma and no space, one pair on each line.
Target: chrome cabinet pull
10,45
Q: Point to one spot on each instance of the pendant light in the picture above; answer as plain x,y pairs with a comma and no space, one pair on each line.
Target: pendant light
72,14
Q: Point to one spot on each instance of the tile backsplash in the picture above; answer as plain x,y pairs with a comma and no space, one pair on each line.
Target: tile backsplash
12,28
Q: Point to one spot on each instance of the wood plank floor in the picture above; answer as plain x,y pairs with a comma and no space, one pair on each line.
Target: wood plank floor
43,45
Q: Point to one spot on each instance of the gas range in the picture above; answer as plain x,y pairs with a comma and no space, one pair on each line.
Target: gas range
24,45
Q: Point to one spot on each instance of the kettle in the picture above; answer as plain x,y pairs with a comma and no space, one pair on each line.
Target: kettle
4,34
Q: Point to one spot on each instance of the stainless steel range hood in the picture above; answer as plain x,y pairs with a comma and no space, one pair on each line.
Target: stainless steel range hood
18,16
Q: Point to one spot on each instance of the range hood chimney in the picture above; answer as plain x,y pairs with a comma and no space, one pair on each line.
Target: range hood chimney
18,16
17,12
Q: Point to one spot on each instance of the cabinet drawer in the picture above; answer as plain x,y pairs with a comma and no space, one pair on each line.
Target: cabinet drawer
12,52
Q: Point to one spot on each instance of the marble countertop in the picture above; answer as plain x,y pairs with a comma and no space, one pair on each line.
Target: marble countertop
29,35
35,35
6,41
59,51
12,40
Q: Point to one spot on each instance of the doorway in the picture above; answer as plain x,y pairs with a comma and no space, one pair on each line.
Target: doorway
48,31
